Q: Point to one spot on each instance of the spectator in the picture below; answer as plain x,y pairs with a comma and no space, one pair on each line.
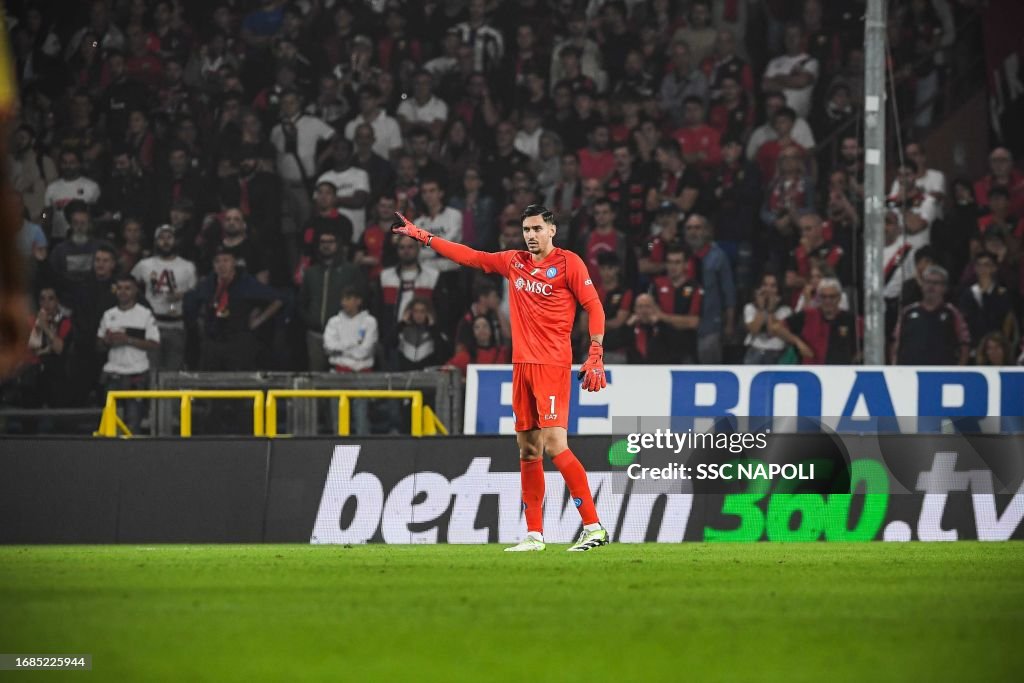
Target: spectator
31,171
930,180
167,278
566,196
181,183
72,259
481,349
128,332
1008,271
604,237
418,341
1002,174
458,150
699,34
735,185
794,73
764,318
683,80
297,138
487,304
724,62
379,169
913,289
812,245
993,349
711,270
825,334
140,141
835,112
128,192
231,305
767,158
617,300
478,211
953,240
986,305
680,184
420,145
596,159
666,235
790,193
1000,216
699,141
326,219
257,194
628,187
352,186
423,108
49,345
898,269
654,341
587,53
732,115
70,186
801,132
130,248
931,332
503,161
527,139
917,210
441,220
403,282
330,104
810,294
232,234
320,293
487,41
88,299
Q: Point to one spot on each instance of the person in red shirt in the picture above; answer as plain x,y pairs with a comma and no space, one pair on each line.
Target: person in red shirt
1003,174
546,284
768,154
596,160
700,142
480,348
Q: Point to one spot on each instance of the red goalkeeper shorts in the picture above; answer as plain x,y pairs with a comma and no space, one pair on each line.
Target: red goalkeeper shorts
540,396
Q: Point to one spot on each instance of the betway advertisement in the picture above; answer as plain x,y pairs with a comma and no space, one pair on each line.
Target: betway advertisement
939,488
808,391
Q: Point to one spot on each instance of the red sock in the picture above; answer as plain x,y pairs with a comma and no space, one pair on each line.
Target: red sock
531,474
579,488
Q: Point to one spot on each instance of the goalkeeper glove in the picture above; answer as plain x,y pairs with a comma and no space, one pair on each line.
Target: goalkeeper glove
406,227
592,371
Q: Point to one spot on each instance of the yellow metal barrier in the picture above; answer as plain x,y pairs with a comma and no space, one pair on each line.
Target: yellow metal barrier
344,410
110,422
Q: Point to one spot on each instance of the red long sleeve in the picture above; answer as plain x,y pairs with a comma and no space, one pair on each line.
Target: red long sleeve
465,256
595,316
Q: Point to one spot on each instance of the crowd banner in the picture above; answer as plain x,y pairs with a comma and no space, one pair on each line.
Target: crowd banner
775,390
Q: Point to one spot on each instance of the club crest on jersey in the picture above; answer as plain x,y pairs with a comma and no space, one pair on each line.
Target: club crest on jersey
551,272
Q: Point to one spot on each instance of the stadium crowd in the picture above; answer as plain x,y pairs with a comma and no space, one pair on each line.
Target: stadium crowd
210,185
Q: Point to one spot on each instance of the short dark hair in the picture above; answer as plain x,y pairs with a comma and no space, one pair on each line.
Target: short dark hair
76,206
353,292
925,252
676,249
986,254
693,99
539,210
483,288
998,191
108,248
787,112
125,277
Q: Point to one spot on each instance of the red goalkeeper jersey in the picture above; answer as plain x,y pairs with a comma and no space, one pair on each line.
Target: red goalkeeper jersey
542,301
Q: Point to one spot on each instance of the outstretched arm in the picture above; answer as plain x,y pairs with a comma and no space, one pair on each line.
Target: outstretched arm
460,253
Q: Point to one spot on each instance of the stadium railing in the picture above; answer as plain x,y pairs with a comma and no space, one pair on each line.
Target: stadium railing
111,424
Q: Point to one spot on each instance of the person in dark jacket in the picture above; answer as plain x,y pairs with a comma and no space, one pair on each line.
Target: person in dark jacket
417,340
320,296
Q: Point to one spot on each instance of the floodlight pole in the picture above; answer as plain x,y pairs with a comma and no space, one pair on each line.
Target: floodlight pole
874,182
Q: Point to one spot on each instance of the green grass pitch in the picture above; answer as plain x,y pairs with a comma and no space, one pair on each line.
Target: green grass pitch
695,612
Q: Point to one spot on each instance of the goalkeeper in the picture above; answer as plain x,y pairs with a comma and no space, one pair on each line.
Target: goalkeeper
545,285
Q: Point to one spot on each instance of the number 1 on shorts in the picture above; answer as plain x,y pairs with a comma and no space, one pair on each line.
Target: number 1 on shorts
552,397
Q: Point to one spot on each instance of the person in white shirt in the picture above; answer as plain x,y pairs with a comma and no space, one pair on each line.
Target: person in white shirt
763,317
423,107
930,180
296,139
527,138
129,331
352,185
350,339
898,267
801,133
917,210
443,221
794,73
71,185
386,130
166,277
